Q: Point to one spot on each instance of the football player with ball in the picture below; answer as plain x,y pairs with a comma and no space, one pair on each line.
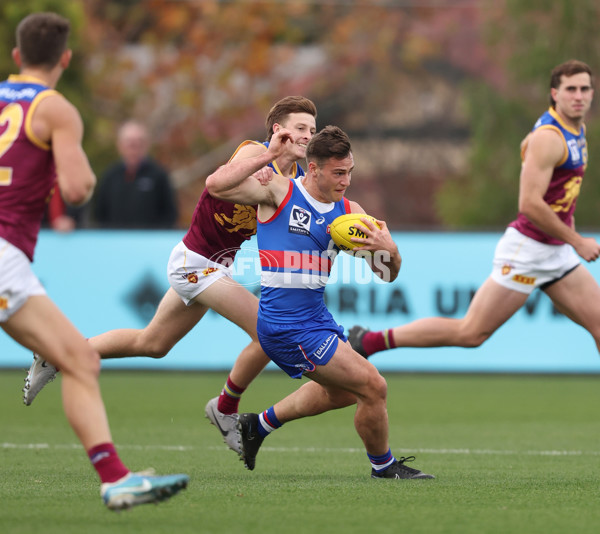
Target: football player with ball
199,271
294,327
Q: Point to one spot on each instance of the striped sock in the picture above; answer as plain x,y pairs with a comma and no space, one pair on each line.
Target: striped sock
381,463
376,341
230,397
107,463
268,422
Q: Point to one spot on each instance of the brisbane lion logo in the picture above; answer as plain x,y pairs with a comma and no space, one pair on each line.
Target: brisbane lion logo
192,278
572,188
243,220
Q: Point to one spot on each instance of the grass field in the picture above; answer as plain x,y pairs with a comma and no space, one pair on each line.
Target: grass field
512,454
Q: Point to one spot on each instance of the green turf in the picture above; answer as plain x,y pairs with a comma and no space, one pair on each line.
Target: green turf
516,454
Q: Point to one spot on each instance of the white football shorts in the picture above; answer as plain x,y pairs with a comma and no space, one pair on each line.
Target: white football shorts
189,273
17,280
523,264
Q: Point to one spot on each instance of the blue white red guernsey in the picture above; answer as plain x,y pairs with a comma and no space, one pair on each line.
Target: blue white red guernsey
296,256
27,172
565,183
219,228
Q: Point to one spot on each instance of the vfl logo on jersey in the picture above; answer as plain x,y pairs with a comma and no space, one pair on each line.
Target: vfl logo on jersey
299,221
574,150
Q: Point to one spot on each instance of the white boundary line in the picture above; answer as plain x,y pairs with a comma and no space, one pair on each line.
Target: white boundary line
184,448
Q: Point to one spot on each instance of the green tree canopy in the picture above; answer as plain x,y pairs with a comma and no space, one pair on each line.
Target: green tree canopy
527,39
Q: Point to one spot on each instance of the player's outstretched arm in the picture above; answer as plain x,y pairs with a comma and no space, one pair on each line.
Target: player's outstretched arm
235,181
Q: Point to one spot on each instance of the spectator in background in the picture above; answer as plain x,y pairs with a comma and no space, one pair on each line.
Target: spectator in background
136,191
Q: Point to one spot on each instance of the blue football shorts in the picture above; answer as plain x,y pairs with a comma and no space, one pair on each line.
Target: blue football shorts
298,348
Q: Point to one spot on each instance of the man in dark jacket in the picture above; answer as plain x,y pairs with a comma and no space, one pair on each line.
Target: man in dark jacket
136,191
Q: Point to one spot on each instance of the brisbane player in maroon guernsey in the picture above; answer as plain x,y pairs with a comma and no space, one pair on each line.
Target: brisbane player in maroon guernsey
40,148
541,248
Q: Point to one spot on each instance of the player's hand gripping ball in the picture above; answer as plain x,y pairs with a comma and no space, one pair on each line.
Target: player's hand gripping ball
343,228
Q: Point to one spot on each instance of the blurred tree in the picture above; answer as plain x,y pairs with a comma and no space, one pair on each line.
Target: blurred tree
202,74
527,39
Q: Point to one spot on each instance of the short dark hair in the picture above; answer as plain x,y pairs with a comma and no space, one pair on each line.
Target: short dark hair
330,142
42,39
287,105
568,68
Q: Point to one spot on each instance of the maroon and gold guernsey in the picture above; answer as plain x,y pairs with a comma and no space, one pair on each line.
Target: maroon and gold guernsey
27,171
219,228
565,184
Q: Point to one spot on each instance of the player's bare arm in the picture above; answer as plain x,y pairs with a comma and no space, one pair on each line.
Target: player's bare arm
378,239
235,181
545,149
58,122
524,143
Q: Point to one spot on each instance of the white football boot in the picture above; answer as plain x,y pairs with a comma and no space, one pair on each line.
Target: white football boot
40,373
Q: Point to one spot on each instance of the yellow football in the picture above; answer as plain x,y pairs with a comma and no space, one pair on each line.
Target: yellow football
343,228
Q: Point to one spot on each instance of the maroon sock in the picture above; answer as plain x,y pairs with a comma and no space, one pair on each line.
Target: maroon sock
107,463
376,341
230,397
